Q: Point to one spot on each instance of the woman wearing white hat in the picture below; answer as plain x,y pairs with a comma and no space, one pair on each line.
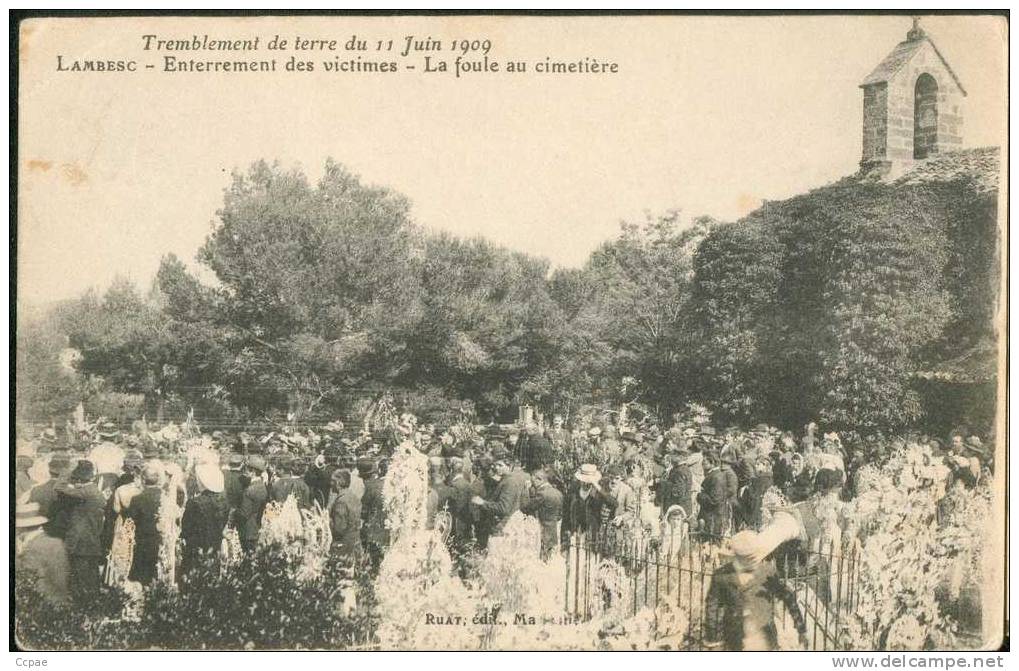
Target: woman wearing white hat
204,519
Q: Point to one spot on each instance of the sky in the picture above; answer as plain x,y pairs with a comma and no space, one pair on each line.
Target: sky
710,115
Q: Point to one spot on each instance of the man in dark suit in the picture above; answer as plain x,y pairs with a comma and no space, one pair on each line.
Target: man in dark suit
144,510
546,504
249,512
539,450
287,484
510,490
46,493
714,501
459,502
234,482
374,535
84,505
319,480
676,487
584,505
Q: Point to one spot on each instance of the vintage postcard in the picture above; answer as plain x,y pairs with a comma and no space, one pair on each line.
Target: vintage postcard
510,332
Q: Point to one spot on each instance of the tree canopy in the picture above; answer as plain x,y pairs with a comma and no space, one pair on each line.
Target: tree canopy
818,307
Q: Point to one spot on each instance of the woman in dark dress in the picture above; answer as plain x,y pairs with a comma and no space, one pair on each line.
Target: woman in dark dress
144,510
205,517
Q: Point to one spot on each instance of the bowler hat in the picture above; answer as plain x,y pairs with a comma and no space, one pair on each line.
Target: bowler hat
613,471
59,464
85,471
256,463
366,467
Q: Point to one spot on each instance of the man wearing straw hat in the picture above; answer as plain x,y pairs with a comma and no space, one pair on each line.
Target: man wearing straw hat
41,555
582,512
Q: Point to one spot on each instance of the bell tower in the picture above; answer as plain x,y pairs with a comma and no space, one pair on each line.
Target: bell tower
912,106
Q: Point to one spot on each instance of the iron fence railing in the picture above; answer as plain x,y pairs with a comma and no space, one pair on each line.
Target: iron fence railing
625,574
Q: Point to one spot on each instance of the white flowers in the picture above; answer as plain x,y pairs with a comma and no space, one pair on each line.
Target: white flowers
405,490
919,550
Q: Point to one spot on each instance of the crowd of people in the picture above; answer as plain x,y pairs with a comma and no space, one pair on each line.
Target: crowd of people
94,508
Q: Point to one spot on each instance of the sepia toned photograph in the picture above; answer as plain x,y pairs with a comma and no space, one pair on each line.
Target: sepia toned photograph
509,332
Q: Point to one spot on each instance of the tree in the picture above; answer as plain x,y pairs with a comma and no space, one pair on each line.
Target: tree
125,341
625,316
485,321
317,292
735,287
821,307
46,384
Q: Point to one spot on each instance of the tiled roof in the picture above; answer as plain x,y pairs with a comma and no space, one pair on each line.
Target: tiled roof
901,55
979,363
982,165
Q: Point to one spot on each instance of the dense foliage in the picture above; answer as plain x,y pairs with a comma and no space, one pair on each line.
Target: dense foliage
826,304
257,604
325,295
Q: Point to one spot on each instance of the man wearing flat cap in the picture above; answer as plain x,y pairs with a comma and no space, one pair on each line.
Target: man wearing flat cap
546,504
345,518
459,503
676,486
